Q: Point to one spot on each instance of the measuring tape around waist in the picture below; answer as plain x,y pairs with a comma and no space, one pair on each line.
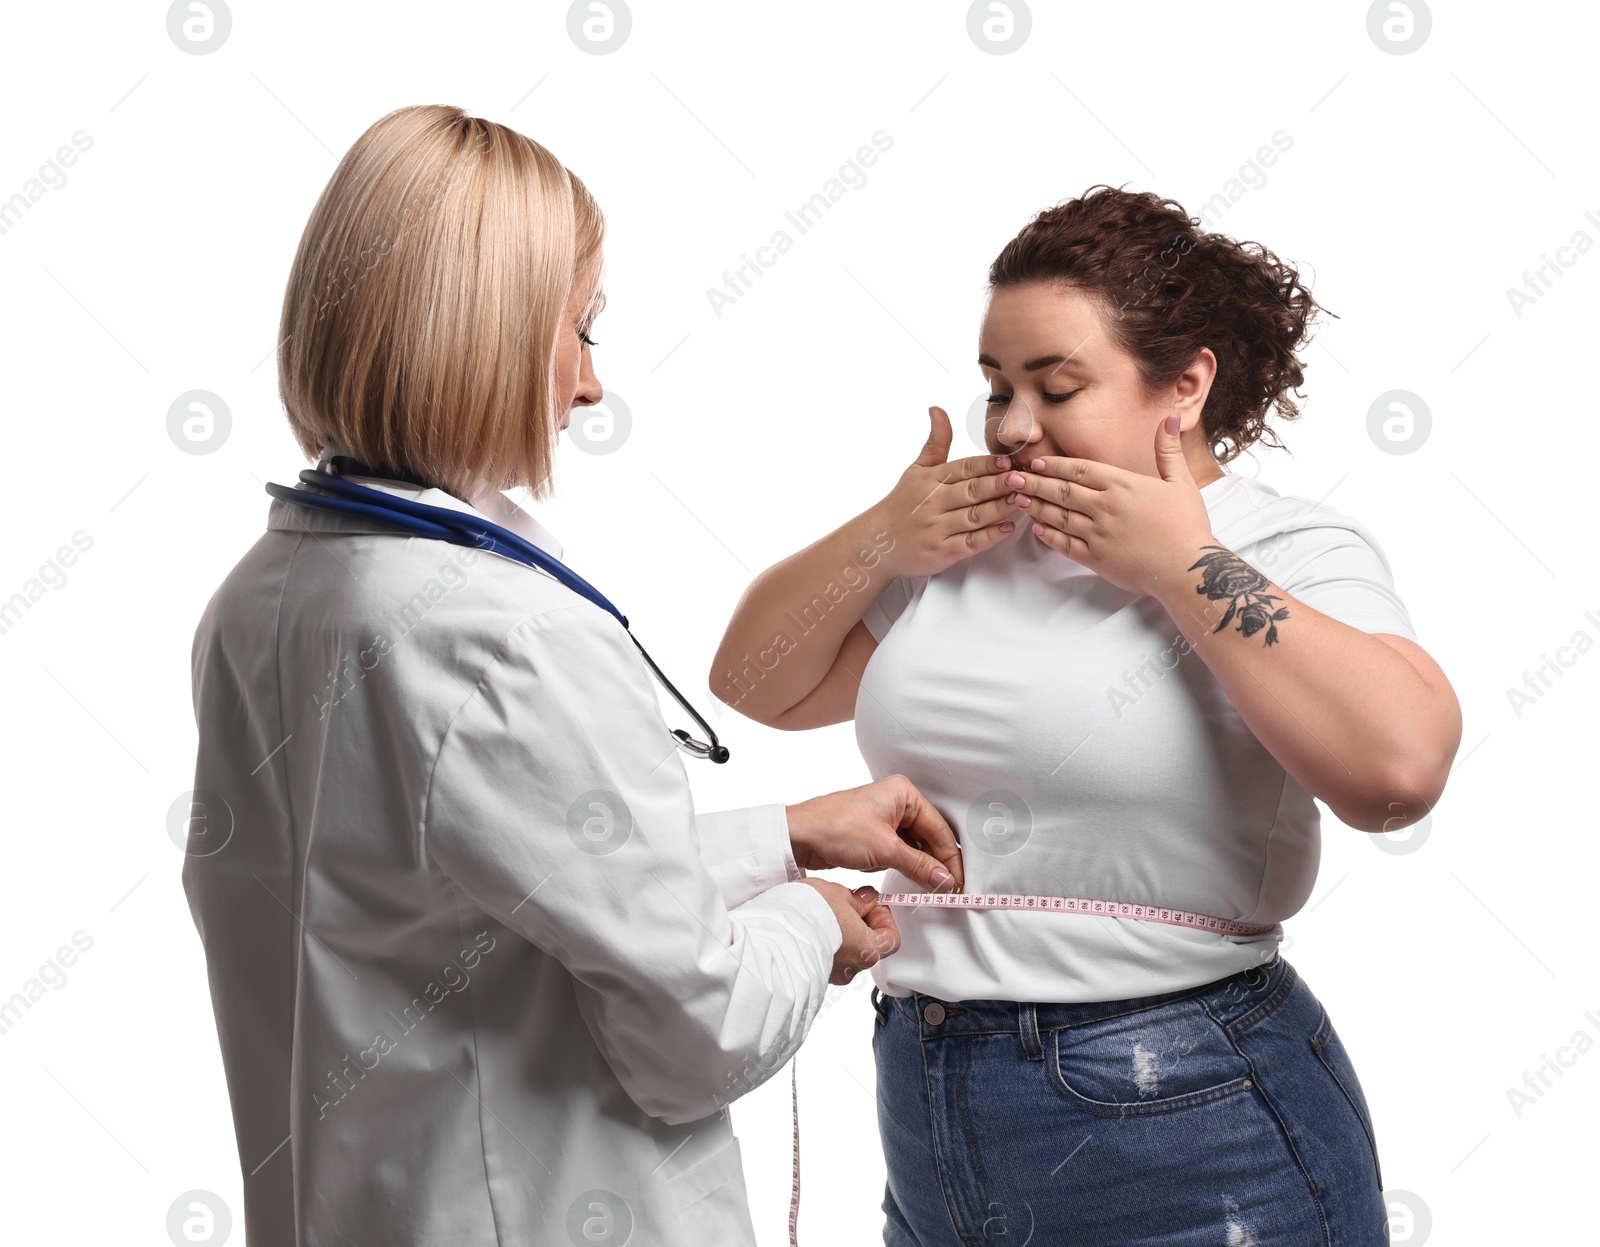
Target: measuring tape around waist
1031,904
1078,905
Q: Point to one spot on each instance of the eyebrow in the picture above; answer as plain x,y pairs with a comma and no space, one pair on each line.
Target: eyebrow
1033,365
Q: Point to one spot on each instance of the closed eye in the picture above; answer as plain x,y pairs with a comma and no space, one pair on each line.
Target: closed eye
1000,400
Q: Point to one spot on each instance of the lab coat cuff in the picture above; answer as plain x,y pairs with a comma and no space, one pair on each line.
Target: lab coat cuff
792,869
747,852
810,909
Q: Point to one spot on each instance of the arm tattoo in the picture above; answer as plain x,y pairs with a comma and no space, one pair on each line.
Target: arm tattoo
1229,578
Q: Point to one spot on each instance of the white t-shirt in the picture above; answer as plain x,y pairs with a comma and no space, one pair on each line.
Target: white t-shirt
1079,747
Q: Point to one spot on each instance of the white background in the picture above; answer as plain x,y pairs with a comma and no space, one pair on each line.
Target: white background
1417,189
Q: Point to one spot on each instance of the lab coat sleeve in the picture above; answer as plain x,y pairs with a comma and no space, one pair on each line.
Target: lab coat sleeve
559,805
747,851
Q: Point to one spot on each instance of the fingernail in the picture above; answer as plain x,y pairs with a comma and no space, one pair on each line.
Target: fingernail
943,880
1174,421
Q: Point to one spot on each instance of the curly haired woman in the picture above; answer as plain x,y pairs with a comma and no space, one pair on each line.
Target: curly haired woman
1075,649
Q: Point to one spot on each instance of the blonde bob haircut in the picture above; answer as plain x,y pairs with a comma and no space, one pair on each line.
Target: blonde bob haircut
422,313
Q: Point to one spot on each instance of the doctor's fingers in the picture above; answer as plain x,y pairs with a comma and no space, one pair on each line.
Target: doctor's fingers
935,873
927,842
869,936
880,920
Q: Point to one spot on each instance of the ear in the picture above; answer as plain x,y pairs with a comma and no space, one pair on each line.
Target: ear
1193,385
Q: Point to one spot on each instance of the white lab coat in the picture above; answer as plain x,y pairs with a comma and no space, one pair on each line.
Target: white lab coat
481,973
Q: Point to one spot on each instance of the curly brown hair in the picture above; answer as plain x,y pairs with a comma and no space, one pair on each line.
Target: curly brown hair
1167,289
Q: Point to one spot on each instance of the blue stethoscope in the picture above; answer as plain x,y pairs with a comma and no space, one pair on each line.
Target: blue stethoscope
459,528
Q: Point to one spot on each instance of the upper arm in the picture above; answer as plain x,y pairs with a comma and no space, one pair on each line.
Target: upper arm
834,698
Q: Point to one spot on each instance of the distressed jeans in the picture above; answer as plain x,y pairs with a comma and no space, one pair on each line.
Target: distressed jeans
1226,1115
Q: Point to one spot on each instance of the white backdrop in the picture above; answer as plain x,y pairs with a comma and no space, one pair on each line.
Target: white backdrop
1425,176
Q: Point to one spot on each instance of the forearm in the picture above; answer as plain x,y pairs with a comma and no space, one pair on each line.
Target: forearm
788,626
1350,717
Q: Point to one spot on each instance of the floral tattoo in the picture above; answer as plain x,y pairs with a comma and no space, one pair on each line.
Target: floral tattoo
1228,577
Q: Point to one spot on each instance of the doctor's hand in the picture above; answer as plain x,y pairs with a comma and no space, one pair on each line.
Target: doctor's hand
1139,532
884,825
940,512
869,929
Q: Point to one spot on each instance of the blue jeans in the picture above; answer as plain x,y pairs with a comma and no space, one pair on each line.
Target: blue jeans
1227,1114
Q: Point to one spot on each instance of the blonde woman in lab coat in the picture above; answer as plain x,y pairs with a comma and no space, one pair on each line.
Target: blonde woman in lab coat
481,972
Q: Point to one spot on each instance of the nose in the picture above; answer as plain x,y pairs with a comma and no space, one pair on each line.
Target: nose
589,390
1018,426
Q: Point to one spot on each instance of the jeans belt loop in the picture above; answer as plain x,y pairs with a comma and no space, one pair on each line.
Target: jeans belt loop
1028,1028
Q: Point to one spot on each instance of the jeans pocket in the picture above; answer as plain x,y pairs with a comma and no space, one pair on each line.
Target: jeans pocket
1156,1060
1330,1051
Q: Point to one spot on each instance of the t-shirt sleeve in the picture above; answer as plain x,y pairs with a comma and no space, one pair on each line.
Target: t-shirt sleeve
891,604
1338,569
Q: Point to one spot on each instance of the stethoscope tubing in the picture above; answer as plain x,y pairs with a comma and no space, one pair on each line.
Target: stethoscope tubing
444,523
457,528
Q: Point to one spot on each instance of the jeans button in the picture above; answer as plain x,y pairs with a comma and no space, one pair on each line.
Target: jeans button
933,1013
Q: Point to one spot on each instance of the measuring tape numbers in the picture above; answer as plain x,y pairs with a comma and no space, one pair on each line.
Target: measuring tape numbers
1078,905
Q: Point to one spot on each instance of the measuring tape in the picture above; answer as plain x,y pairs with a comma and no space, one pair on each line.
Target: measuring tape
1031,904
1078,905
